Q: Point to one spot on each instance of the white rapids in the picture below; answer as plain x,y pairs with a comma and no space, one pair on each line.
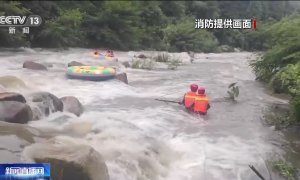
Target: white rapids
141,138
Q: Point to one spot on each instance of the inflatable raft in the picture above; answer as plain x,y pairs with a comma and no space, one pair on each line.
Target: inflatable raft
90,73
101,56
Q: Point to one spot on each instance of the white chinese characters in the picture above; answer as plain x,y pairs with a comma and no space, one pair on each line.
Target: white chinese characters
24,171
224,23
12,30
25,30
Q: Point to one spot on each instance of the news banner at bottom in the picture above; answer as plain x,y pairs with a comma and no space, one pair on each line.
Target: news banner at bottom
25,171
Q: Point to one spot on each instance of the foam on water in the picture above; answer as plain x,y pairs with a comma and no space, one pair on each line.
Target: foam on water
140,138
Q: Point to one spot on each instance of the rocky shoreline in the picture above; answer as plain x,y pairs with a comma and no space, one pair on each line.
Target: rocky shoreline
68,162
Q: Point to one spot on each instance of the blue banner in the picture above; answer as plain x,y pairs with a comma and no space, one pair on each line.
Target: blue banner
25,171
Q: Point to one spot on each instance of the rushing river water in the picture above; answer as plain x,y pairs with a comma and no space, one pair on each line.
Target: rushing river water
141,138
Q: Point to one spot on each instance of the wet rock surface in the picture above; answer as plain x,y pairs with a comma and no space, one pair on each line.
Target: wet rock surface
47,99
34,66
78,162
15,112
10,96
11,82
75,63
72,105
122,77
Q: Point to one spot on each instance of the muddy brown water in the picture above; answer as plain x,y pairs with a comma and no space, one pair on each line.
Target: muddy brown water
141,138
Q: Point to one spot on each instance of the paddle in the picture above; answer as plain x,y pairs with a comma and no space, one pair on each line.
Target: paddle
168,101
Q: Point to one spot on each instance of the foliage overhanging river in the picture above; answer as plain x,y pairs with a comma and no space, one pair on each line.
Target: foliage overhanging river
141,138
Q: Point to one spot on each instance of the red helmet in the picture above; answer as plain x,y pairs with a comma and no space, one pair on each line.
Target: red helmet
194,87
201,90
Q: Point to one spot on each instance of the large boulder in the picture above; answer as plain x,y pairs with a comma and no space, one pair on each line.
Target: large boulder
12,82
47,100
75,63
69,161
34,66
126,64
122,77
47,64
15,112
10,96
142,56
72,105
14,137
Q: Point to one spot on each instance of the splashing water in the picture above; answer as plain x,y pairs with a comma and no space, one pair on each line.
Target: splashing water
140,138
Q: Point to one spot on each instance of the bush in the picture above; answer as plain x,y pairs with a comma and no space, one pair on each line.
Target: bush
184,37
280,65
162,57
173,63
278,121
148,64
285,169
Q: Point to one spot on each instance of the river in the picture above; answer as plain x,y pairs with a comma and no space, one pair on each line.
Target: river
141,138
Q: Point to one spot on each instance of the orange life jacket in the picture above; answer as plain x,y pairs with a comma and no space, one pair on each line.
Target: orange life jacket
201,103
189,99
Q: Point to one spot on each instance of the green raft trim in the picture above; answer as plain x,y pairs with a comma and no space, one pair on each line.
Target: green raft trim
89,71
106,71
70,69
94,67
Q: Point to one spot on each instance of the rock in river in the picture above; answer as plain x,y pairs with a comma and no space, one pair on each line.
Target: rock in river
72,105
75,63
48,65
142,56
15,112
126,64
47,99
12,82
10,96
122,77
34,66
68,161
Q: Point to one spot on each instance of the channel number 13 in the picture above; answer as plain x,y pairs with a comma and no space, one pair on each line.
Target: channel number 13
34,21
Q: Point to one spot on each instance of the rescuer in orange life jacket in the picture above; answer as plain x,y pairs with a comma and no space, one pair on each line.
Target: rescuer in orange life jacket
199,103
189,97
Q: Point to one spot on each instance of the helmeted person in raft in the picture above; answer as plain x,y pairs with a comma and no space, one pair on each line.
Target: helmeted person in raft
110,53
97,52
198,103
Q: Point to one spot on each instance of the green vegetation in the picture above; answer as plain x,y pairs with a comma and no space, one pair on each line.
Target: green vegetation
285,169
280,65
142,25
279,121
149,63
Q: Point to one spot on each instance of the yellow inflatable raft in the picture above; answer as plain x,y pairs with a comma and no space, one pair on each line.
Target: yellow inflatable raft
90,73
